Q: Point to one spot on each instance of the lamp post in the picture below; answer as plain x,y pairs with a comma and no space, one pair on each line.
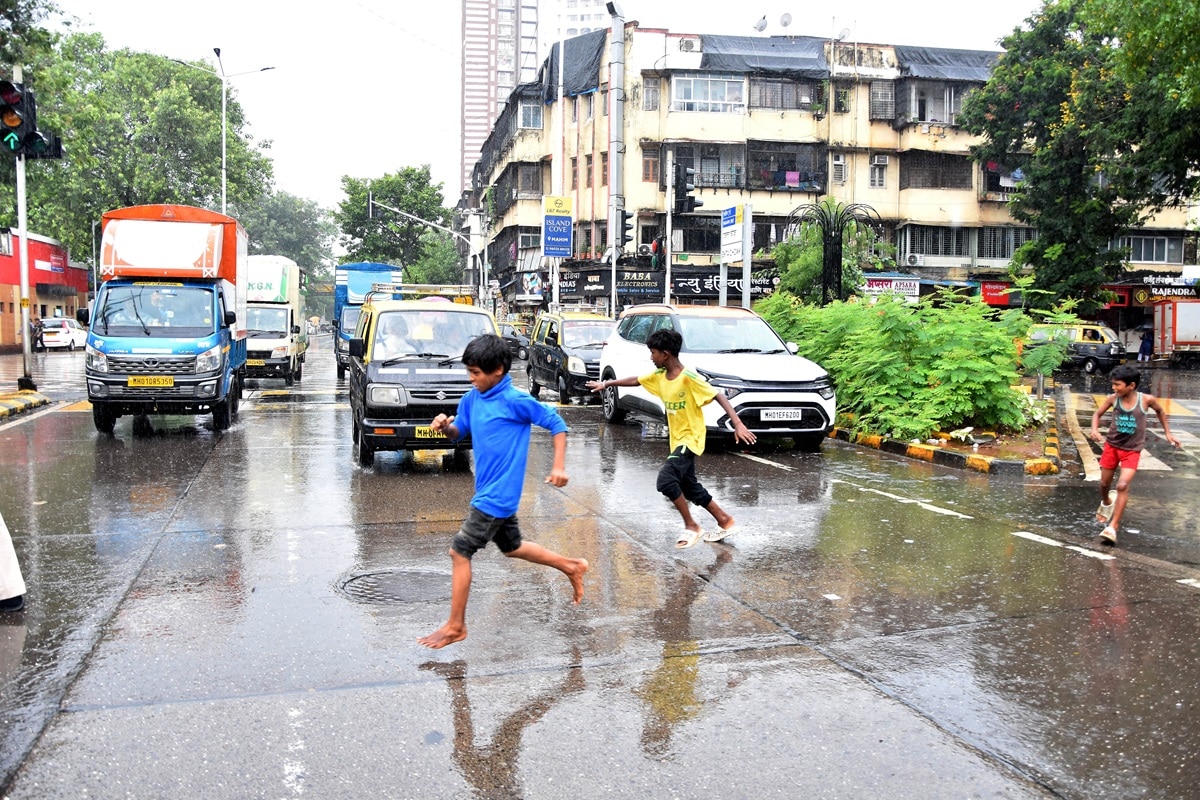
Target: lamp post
224,116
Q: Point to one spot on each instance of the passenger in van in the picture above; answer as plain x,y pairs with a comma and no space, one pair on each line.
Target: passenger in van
392,338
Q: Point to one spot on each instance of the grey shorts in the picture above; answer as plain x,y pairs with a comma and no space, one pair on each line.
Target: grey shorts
479,528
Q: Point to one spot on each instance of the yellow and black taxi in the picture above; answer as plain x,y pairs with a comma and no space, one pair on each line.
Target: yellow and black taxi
564,352
1091,346
405,368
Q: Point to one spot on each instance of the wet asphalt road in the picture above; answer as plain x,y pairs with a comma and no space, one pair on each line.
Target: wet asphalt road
234,616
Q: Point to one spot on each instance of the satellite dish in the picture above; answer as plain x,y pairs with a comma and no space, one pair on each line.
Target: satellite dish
761,25
842,36
785,20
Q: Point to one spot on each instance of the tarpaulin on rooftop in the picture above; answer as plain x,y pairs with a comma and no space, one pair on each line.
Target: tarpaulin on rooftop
946,64
585,54
792,56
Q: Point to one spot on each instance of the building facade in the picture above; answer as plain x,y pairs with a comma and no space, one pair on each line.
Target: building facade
774,122
56,287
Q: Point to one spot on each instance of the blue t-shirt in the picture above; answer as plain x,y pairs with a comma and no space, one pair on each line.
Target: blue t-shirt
498,422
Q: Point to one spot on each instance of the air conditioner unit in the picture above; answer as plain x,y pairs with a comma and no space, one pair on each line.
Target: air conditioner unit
879,160
691,45
916,259
645,250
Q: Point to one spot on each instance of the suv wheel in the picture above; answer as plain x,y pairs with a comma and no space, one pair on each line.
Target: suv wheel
810,443
535,388
612,412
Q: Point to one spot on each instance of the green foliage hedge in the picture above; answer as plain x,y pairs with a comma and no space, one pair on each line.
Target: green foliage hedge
907,370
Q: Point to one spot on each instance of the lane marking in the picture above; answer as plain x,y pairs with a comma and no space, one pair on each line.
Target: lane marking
1193,582
900,499
1033,537
768,462
1092,553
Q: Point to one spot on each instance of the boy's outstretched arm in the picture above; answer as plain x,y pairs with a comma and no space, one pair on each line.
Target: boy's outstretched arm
446,425
1162,420
599,386
740,432
558,471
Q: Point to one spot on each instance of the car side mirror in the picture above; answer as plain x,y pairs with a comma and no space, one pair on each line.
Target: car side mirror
358,348
230,318
81,316
295,329
552,339
792,347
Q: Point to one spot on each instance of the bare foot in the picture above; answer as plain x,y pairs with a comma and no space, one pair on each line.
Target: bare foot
447,634
576,576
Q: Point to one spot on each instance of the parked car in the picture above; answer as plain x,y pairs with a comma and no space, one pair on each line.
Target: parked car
63,332
405,369
565,352
776,393
517,338
1090,346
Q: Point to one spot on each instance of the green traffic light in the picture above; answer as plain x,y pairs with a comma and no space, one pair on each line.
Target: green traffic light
12,141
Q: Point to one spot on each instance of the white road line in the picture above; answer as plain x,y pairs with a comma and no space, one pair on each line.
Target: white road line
1096,554
1194,583
1033,537
766,461
899,499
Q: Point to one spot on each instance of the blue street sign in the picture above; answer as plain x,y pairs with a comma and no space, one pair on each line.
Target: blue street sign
557,235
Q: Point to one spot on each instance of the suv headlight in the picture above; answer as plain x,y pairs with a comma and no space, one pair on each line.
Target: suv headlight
385,395
575,364
824,387
209,360
727,384
95,360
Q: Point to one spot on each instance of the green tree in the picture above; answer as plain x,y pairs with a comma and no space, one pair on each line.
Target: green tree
137,128
1157,44
283,224
1098,154
21,36
800,259
439,261
387,237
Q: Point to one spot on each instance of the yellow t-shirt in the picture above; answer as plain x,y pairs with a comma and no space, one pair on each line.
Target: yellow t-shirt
683,399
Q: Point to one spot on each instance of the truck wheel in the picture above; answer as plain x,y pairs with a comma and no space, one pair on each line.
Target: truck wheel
223,412
612,412
235,397
289,378
299,369
341,373
1089,365
103,418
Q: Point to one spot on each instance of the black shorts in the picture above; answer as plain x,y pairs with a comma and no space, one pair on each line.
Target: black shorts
678,477
479,528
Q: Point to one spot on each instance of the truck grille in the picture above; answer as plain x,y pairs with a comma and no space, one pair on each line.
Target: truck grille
152,365
162,393
263,354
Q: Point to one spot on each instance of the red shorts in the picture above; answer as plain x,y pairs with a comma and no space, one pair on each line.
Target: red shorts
1112,457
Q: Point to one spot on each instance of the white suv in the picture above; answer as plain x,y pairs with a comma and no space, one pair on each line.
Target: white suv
775,392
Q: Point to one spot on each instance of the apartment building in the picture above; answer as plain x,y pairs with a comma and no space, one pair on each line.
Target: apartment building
776,122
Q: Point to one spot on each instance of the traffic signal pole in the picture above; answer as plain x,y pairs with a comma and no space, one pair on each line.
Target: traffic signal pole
26,381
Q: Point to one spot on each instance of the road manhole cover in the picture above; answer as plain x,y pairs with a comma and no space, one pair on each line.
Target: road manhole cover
396,586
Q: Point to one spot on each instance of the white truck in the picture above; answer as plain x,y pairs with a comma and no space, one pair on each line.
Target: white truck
1177,330
278,331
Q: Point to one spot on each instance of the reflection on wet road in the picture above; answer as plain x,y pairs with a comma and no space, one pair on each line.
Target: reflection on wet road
877,628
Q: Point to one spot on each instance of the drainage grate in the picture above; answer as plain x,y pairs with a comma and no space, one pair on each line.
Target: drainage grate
396,586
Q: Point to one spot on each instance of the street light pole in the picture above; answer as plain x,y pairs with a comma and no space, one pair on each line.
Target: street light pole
224,115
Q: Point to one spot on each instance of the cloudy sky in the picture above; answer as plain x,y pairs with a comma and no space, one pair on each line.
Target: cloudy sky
367,87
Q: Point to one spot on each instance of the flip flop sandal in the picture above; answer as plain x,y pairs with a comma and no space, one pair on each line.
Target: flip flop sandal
720,533
688,539
1109,535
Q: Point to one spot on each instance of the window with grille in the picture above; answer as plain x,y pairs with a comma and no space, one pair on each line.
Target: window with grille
997,242
781,94
574,172
924,170
713,92
529,179
933,240
838,175
841,99
604,169
531,114
587,170
1153,249
786,166
589,106
883,100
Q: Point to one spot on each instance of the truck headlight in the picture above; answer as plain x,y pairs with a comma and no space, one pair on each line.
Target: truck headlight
385,396
280,352
343,345
575,364
95,360
209,360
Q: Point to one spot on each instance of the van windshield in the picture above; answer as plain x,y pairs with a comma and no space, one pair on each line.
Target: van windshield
155,311
429,332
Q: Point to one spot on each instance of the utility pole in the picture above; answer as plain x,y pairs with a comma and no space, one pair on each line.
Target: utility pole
26,380
616,143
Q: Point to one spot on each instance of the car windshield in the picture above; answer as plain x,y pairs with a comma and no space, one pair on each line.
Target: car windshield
155,310
585,333
428,332
728,335
262,321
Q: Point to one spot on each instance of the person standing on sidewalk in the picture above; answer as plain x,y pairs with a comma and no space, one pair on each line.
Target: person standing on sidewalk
1123,444
12,585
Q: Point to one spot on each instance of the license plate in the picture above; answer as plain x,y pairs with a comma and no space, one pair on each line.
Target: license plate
150,380
425,432
255,362
782,414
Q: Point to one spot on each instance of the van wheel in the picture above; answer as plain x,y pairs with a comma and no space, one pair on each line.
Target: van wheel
1089,365
535,388
366,453
563,396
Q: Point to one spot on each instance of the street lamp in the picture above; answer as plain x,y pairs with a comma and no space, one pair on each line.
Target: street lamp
224,117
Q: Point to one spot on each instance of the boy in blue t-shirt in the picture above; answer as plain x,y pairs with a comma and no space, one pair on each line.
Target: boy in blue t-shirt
498,417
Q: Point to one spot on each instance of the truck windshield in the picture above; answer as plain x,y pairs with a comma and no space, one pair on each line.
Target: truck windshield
263,321
350,315
155,311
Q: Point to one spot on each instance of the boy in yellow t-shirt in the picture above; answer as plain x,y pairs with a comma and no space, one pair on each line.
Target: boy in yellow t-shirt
683,393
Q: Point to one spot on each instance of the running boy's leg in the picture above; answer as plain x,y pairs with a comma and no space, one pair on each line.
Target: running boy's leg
1123,481
1106,475
455,629
573,568
670,483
